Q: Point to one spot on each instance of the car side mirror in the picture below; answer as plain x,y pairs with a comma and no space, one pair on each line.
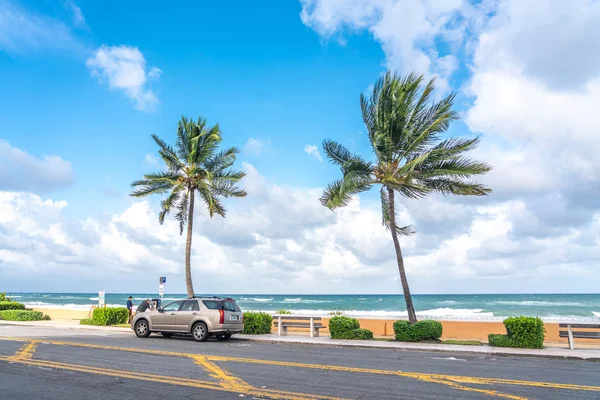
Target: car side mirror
159,309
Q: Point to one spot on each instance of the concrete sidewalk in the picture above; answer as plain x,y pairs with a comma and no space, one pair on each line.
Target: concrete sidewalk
547,352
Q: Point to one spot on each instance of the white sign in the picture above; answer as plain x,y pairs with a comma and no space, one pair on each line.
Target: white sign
161,290
101,298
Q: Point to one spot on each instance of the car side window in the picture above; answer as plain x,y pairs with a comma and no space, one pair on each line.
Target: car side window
174,306
212,304
190,305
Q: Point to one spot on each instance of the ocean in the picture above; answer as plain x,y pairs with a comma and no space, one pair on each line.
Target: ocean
550,307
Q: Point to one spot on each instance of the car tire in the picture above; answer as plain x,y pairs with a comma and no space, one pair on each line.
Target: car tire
142,329
224,336
167,334
200,332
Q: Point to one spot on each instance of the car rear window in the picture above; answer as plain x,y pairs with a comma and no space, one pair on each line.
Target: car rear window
221,305
230,306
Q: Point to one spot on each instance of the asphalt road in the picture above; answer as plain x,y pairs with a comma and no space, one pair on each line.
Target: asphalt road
69,364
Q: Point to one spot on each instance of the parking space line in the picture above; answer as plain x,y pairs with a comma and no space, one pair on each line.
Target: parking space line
25,352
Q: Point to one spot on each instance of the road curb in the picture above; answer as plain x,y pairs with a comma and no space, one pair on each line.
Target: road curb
477,350
59,326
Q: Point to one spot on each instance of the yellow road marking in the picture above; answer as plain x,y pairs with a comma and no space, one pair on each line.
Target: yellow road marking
223,377
25,352
438,378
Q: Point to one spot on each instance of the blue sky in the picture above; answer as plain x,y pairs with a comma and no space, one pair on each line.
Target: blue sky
85,84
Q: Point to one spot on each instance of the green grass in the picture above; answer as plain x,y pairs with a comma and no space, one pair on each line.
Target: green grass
463,342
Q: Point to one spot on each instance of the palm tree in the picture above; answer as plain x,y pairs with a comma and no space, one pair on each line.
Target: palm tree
194,166
404,126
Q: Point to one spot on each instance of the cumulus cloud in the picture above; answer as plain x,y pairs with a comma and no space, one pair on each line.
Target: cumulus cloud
124,68
407,30
281,240
20,171
255,147
314,152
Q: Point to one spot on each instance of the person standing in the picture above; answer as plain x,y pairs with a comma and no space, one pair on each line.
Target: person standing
130,308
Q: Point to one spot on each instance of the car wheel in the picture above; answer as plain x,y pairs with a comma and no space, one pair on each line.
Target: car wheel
142,329
200,332
167,334
224,336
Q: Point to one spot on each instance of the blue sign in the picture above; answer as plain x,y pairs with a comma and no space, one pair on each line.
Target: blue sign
163,280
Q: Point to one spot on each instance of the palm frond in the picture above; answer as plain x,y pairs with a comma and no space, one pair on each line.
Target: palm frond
449,185
183,206
213,204
168,155
222,160
228,175
385,216
168,203
147,187
337,153
226,188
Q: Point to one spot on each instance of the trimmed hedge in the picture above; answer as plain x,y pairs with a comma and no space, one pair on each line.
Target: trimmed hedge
11,305
105,316
357,334
522,332
422,330
22,315
340,324
257,323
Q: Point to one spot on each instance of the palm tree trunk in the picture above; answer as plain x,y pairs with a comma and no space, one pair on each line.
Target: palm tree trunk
412,316
188,247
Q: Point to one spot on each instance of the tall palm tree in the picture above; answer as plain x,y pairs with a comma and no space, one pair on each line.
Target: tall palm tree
193,166
404,126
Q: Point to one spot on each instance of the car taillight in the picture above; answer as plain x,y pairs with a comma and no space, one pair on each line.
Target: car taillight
221,316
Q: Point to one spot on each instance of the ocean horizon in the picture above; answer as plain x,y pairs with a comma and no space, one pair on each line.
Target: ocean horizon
492,307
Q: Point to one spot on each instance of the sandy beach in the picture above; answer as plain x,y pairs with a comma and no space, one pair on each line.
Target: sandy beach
459,330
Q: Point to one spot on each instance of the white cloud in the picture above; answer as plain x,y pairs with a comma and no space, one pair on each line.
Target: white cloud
407,30
313,151
23,31
22,171
255,147
281,240
535,84
124,68
76,13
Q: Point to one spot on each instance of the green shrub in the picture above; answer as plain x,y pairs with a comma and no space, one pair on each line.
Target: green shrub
21,315
523,332
257,323
340,324
3,297
87,321
104,316
337,313
422,330
11,305
283,312
357,334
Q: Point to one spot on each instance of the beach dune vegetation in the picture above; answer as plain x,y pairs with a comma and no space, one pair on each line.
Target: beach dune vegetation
405,125
193,167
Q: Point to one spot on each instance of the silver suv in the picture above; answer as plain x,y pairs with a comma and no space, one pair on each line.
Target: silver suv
198,316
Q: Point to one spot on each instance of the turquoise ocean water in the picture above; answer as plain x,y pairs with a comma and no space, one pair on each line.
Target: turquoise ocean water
550,307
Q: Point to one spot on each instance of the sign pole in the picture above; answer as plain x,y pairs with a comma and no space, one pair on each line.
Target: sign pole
161,288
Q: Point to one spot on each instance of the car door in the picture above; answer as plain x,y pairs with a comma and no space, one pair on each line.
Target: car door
185,315
165,319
